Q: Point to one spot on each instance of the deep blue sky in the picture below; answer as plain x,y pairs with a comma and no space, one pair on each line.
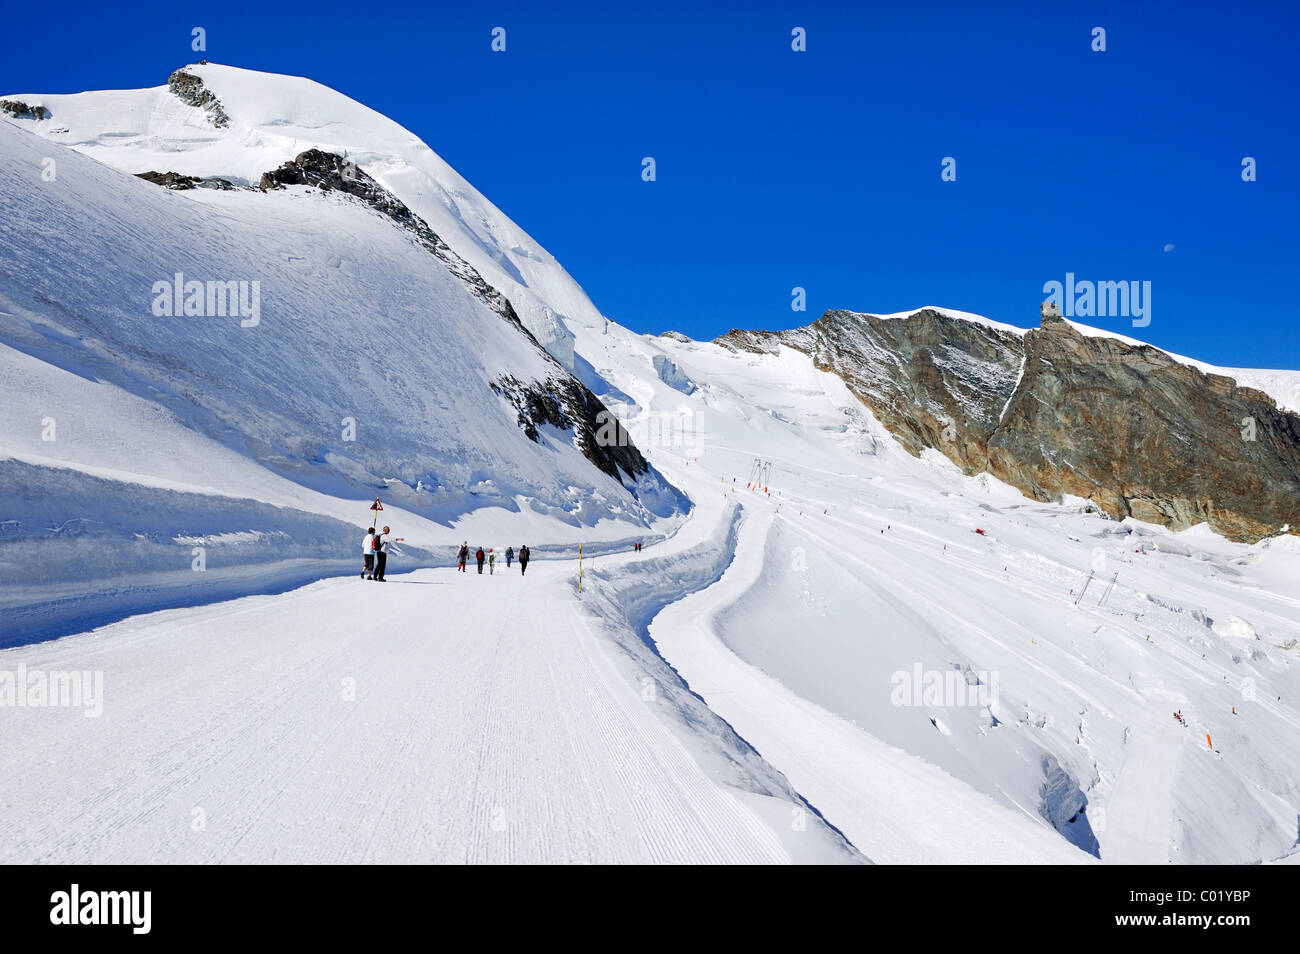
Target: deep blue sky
818,169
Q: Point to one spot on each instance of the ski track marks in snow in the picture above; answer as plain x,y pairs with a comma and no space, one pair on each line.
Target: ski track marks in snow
508,729
1083,691
485,728
893,807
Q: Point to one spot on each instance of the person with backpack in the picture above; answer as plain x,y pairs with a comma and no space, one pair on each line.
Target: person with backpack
368,553
381,554
510,555
479,556
523,560
462,555
374,549
492,562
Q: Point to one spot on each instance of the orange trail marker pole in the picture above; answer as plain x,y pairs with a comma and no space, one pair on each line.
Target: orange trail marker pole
1207,740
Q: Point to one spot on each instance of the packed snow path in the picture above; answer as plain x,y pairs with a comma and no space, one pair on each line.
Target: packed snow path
435,718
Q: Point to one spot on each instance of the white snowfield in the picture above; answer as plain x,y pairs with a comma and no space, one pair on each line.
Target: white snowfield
444,719
367,370
831,667
357,326
273,118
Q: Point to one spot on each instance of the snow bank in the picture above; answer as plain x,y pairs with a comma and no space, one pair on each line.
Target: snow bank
1234,628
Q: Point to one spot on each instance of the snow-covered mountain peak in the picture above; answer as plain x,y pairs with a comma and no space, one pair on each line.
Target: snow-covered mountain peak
238,124
300,349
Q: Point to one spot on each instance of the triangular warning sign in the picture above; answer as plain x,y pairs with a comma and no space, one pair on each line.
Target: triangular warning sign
376,505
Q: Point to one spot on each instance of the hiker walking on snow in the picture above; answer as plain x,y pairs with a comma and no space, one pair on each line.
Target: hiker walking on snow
462,555
376,544
381,554
510,555
492,562
368,553
479,556
523,560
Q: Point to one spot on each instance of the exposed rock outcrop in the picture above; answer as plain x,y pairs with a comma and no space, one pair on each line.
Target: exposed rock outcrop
561,400
565,404
189,89
1052,412
169,180
17,109
178,182
330,172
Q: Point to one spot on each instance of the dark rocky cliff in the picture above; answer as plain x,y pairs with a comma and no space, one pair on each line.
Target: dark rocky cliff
189,89
17,109
1052,412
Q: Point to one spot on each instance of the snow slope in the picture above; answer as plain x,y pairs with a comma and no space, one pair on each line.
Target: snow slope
368,372
356,321
863,565
729,694
448,718
274,118
787,614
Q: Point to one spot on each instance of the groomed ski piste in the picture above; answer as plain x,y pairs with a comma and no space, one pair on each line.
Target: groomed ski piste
767,681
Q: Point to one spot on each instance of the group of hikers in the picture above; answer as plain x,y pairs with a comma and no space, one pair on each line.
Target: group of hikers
374,551
462,557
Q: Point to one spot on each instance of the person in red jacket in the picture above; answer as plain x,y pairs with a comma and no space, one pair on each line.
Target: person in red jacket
479,556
